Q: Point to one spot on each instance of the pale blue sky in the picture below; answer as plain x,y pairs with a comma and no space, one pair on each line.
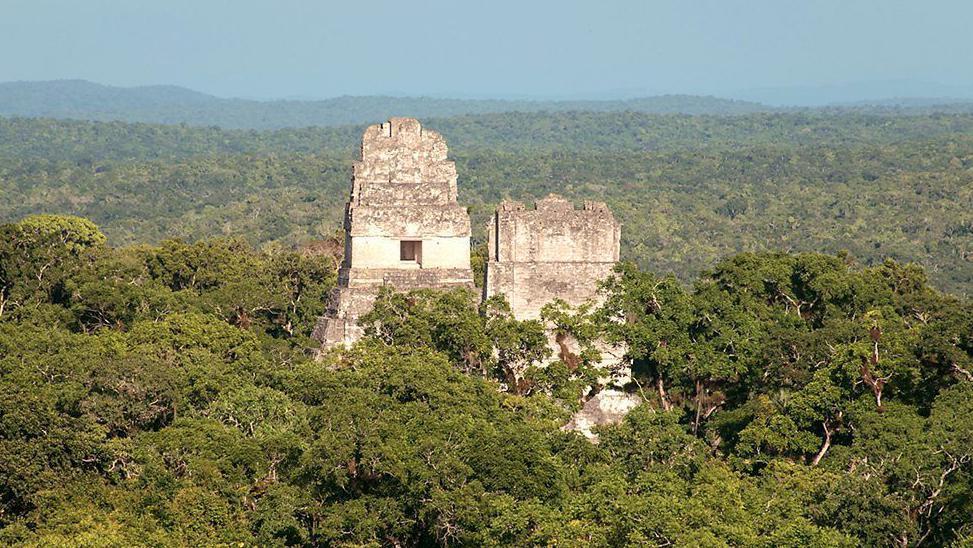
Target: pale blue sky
536,48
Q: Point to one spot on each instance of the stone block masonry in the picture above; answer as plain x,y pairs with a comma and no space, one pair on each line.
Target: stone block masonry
403,226
552,251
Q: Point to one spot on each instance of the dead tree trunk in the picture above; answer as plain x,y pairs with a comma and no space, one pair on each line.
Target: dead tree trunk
663,396
699,405
876,383
829,428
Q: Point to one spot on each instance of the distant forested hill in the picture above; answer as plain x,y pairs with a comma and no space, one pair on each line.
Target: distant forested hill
616,132
82,100
172,105
689,189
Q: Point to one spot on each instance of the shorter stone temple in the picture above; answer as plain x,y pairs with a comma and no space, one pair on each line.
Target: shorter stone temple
403,226
552,251
555,251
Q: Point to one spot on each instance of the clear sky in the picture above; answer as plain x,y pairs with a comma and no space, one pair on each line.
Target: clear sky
518,48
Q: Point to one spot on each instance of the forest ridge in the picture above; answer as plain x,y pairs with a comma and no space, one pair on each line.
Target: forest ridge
82,100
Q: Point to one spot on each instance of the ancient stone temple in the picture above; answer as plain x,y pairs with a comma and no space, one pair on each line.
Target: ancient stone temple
552,251
403,225
555,251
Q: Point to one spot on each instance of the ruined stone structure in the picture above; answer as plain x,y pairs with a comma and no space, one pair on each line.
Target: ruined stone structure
606,407
553,251
403,225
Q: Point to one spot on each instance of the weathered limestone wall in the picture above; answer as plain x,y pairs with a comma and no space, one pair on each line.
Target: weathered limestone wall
607,407
528,286
402,189
437,252
553,251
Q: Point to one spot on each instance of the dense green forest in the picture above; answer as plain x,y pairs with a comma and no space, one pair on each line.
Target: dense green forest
688,189
166,395
805,382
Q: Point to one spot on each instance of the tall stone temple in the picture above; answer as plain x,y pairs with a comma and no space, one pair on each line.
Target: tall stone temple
403,227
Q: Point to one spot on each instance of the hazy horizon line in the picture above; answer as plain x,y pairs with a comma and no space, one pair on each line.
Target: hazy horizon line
775,96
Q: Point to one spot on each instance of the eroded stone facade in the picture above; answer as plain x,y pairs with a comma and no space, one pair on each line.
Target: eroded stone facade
605,408
552,251
403,226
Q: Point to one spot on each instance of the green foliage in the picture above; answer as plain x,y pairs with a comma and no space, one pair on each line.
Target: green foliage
37,255
486,340
447,321
518,345
151,413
